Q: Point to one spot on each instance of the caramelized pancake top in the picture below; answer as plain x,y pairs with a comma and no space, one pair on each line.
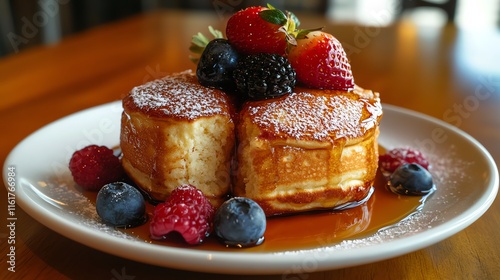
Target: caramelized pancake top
177,96
316,115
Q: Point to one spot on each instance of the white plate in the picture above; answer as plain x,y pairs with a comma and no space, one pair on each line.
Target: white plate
466,174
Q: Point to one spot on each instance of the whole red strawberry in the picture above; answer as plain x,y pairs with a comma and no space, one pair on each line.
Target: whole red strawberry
321,62
94,166
259,30
186,211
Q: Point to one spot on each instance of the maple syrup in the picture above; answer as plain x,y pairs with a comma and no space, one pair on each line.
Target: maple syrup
312,229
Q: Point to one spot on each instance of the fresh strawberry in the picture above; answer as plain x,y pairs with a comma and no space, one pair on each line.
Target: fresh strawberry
321,62
260,30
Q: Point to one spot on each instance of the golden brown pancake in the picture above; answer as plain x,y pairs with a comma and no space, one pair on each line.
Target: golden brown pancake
313,149
175,131
309,150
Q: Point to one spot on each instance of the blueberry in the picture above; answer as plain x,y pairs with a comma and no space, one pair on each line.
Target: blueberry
411,179
216,65
240,222
121,205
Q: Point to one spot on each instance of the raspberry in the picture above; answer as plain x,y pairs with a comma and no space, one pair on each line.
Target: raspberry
186,211
390,161
94,166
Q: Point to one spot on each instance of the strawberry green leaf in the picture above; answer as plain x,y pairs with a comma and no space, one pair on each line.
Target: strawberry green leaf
215,33
273,16
303,32
294,18
200,41
196,49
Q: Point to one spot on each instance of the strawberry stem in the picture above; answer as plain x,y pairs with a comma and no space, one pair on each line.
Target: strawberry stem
288,22
200,41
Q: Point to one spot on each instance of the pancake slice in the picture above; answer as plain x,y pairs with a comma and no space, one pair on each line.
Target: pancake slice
310,150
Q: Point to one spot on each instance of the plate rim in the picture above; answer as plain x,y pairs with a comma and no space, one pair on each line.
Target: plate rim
217,261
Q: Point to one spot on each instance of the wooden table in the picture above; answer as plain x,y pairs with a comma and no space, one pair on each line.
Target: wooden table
435,71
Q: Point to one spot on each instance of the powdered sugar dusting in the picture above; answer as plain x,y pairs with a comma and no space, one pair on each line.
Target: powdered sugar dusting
448,169
180,96
304,115
72,204
449,172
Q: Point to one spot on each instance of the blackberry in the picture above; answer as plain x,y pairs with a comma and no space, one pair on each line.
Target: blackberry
216,65
264,75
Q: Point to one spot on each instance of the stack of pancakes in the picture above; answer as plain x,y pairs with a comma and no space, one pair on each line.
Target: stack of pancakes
309,150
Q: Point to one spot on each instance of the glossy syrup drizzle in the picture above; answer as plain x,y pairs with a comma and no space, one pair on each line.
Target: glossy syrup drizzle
310,230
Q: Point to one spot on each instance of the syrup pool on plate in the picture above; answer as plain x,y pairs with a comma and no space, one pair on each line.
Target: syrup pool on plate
310,230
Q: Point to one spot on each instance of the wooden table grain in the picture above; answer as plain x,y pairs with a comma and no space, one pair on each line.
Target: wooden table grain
444,72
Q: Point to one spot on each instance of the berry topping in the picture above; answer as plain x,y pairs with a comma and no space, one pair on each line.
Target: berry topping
264,75
186,211
94,166
411,179
216,65
321,62
240,222
260,30
121,205
199,42
390,161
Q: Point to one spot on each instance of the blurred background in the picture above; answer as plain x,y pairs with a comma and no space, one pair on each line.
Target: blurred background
27,23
